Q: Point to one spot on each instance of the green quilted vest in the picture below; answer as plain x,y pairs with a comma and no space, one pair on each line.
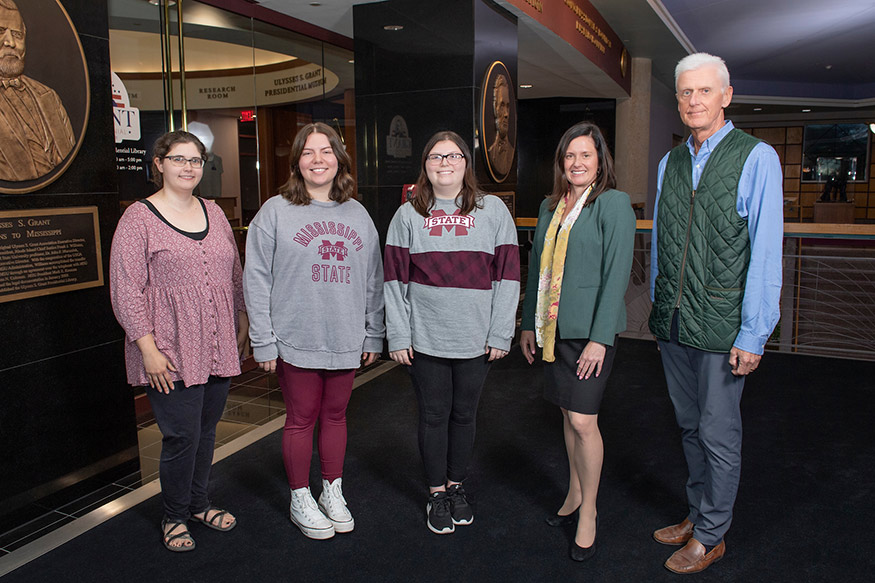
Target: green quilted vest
704,247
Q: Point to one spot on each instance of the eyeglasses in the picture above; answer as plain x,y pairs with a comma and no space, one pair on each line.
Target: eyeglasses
453,158
179,161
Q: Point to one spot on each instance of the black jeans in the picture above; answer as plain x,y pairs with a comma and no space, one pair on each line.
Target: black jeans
187,418
448,391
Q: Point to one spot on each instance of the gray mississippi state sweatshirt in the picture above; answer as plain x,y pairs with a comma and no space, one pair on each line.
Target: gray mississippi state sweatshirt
313,283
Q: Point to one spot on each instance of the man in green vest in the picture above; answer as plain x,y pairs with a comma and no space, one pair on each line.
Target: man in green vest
715,285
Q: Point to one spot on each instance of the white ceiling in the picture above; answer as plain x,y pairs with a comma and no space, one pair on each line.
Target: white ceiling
135,51
546,62
818,49
777,50
795,48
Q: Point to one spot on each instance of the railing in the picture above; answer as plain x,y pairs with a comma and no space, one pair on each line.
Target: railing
828,296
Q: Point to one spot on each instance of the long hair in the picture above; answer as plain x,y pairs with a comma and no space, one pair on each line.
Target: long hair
165,143
472,198
605,177
343,186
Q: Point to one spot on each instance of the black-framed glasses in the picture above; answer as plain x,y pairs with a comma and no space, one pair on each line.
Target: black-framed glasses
179,161
453,158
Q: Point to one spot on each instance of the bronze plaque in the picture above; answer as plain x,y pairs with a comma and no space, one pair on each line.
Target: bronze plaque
509,199
498,121
49,251
44,94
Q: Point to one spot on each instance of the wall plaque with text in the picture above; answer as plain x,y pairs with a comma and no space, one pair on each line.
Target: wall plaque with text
49,251
509,199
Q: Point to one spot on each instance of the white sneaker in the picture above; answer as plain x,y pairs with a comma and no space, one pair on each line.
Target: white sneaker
306,515
333,505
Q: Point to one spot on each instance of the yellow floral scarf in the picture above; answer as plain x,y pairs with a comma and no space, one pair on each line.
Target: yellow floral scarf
552,270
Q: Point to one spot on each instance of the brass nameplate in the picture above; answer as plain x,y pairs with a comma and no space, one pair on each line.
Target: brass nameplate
49,251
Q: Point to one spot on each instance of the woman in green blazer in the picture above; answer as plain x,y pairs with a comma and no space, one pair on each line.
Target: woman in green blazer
574,308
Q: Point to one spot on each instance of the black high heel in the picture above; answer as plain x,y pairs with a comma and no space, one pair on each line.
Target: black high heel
581,554
560,520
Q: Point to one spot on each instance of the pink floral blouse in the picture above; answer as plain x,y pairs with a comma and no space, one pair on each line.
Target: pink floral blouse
185,292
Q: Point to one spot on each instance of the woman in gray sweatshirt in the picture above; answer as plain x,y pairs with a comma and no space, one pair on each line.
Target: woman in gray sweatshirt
452,288
313,287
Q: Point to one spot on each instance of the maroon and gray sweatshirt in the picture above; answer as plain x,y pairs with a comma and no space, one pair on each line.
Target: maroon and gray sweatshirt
452,281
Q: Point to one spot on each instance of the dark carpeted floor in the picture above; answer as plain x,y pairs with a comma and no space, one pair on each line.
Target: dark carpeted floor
804,511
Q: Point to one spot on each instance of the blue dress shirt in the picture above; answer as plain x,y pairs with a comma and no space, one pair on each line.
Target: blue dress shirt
761,202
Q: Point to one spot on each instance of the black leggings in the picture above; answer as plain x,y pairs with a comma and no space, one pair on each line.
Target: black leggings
448,391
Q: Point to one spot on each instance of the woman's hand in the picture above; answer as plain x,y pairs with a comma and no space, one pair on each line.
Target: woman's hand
242,335
268,366
369,358
528,345
158,367
591,360
402,356
495,353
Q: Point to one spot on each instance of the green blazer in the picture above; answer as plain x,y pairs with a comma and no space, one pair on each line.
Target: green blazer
598,263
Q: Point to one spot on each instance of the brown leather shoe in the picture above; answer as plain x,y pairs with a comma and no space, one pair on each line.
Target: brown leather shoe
692,558
676,534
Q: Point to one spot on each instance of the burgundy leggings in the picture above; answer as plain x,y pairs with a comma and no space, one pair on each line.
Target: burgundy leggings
312,394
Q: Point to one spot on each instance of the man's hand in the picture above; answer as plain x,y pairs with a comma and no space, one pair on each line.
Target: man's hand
742,362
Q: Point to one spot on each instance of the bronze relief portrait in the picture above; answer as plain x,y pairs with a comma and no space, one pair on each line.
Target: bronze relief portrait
498,121
44,94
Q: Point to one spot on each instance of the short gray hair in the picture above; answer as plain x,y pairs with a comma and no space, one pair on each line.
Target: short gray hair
699,60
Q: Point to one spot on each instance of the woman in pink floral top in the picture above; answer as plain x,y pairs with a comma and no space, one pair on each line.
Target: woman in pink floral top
176,288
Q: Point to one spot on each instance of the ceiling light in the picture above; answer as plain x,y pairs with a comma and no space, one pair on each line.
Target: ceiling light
526,86
757,108
315,3
157,2
393,27
828,67
806,110
351,61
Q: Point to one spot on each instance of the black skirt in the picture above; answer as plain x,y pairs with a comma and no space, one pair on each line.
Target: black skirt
563,388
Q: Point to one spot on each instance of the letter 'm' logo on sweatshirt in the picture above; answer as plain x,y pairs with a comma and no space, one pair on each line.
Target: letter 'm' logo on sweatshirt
338,250
440,222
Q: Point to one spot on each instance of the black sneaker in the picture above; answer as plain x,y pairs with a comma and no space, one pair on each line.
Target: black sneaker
459,507
440,521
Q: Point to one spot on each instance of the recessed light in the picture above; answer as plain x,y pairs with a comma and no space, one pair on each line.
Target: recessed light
393,27
315,3
828,67
806,110
157,2
351,61
526,86
757,108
